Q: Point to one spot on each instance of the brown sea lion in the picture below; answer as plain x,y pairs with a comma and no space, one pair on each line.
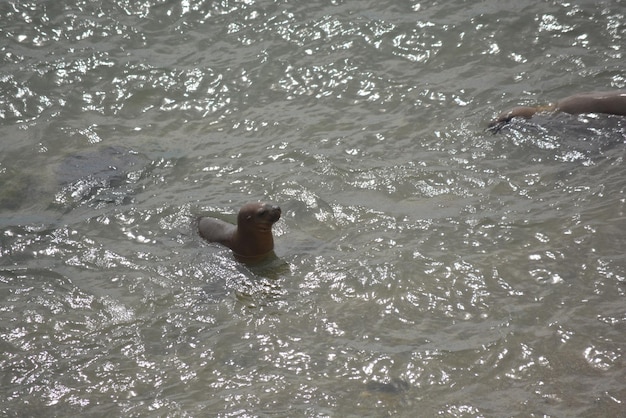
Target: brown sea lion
611,102
251,239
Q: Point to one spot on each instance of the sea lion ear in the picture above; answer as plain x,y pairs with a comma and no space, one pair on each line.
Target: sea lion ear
248,217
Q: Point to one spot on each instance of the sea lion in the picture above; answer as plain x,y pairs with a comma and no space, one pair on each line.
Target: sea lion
611,102
251,239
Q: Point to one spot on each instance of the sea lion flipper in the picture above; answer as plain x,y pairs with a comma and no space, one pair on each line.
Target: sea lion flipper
611,103
525,112
496,126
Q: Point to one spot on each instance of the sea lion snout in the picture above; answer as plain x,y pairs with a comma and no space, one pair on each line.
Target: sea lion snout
271,213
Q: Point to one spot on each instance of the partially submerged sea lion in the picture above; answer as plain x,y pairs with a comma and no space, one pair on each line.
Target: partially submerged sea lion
612,102
251,239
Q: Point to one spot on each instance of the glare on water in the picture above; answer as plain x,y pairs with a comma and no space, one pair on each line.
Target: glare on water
424,265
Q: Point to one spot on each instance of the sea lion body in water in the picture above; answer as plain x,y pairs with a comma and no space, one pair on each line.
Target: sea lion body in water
612,103
251,239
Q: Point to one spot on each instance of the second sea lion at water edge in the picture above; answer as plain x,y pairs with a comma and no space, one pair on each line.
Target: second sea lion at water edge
251,239
611,102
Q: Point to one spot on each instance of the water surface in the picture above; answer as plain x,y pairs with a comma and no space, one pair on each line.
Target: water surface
424,265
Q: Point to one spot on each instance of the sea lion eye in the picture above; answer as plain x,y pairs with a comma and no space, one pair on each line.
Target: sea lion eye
261,213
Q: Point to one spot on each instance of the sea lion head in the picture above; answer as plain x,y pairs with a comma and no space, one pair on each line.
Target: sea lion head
258,215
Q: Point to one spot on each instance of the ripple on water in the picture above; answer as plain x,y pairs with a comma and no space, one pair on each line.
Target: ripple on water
422,263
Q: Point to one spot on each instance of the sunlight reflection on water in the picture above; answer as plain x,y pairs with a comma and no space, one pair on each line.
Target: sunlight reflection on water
423,264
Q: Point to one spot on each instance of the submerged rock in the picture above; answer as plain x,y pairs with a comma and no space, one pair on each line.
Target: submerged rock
98,174
393,387
15,189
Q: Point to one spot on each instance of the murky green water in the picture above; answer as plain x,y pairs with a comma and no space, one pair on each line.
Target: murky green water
425,266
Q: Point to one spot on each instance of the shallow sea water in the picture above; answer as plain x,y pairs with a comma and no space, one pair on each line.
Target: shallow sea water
424,267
